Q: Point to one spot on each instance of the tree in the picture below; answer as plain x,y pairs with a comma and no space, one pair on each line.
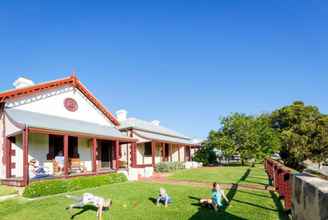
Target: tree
206,154
250,137
319,149
299,132
267,139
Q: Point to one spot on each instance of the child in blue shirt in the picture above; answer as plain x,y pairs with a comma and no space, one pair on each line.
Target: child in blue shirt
163,197
216,197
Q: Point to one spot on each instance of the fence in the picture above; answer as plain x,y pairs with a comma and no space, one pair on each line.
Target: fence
280,177
305,195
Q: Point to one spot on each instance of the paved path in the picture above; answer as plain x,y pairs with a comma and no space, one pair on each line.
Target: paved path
162,178
7,197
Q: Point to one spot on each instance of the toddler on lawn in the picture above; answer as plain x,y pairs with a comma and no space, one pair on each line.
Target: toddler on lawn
163,197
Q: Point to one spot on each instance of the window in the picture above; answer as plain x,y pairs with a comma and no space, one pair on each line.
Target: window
148,150
56,146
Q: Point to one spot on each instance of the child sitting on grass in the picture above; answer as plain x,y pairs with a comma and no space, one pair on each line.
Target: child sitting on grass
163,197
216,199
87,199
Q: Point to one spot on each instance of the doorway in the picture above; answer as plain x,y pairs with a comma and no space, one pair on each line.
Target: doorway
166,152
105,154
187,154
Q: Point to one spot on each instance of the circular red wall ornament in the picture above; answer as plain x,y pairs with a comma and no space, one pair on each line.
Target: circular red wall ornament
70,104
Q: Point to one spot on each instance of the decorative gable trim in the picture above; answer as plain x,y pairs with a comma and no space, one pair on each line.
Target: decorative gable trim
72,80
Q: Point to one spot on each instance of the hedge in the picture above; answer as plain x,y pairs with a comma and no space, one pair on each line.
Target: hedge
51,187
169,166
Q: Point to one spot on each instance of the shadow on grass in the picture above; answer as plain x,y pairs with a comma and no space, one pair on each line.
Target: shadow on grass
84,209
280,208
244,177
255,205
255,194
260,178
207,214
248,181
153,200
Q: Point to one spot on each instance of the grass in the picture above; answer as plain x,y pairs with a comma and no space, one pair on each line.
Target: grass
235,174
135,201
7,190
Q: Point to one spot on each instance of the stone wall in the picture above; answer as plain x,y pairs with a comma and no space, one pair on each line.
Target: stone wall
309,198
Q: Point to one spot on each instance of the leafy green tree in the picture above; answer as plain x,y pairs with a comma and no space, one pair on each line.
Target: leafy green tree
319,149
250,137
226,145
207,154
299,132
235,136
267,139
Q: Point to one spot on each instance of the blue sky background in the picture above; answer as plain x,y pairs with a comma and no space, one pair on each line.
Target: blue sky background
185,63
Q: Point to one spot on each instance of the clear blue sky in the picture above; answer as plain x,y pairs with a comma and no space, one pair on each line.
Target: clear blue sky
183,62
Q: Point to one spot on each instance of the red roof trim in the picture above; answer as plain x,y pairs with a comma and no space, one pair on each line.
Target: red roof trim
72,80
94,100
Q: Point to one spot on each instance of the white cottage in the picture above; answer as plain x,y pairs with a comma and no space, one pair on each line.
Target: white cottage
155,143
58,126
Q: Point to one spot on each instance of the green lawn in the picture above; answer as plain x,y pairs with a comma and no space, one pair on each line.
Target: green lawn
235,174
7,190
135,201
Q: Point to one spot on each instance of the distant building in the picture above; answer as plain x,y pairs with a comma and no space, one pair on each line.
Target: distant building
155,143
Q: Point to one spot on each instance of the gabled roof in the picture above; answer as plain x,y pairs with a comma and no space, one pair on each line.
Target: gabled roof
159,137
71,80
150,131
149,126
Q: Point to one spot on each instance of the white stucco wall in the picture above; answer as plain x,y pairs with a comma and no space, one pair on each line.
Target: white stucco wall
139,153
141,159
52,103
39,148
158,153
11,129
174,149
193,151
125,152
84,149
18,158
175,153
182,153
148,160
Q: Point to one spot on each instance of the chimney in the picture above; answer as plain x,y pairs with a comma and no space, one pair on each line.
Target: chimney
121,115
156,122
22,82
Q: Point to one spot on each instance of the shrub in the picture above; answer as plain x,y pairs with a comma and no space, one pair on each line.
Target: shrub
51,187
169,166
206,155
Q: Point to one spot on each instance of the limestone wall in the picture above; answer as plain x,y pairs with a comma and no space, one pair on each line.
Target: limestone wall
310,198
